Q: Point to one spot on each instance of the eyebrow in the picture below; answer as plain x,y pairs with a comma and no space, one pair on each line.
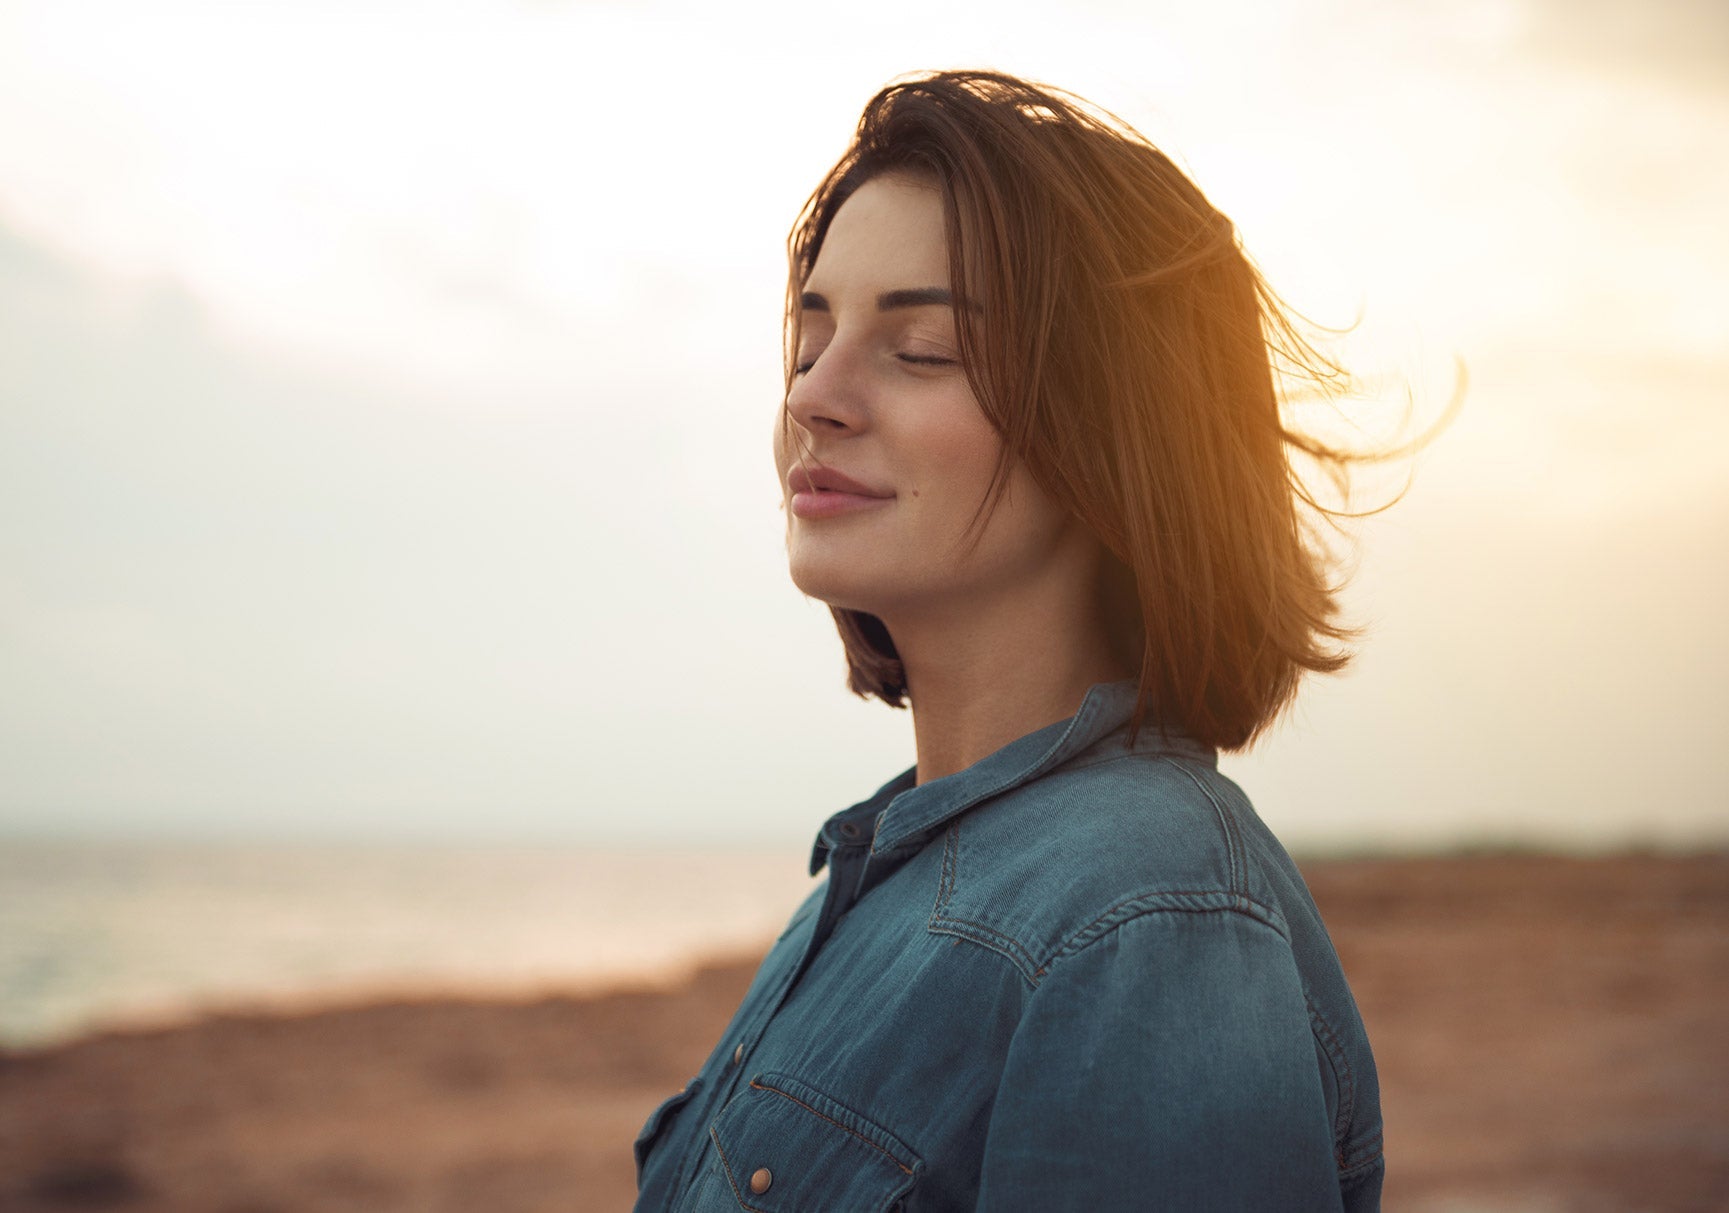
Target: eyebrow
888,301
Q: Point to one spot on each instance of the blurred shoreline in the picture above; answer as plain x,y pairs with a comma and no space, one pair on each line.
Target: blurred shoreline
1552,1034
102,935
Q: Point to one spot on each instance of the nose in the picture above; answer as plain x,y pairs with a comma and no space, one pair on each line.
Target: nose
829,398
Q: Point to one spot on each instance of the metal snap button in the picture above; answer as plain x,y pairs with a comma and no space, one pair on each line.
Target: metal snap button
760,1179
849,829
738,1053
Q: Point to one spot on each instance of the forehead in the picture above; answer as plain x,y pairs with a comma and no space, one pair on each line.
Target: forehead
888,234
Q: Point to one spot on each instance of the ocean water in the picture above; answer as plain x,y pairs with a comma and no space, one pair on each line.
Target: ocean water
102,934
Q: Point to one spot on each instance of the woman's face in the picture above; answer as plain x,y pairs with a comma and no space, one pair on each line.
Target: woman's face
887,456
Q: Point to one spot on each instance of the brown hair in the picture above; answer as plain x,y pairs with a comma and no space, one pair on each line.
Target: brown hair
1126,350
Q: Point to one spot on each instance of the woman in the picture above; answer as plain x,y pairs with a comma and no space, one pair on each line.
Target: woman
1033,460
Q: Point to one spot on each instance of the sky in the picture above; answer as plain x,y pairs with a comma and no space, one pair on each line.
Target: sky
386,391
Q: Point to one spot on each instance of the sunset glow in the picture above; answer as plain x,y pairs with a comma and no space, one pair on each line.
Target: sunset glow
338,344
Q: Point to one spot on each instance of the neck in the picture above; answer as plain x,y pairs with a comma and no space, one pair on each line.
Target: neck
980,679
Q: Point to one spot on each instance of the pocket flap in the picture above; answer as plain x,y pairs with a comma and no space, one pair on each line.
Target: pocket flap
786,1147
657,1121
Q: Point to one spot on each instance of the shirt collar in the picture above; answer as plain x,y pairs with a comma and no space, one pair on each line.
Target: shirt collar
900,812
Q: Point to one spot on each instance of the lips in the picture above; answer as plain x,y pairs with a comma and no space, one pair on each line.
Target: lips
822,492
826,480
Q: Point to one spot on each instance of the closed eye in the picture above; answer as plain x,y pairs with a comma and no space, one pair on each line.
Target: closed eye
802,368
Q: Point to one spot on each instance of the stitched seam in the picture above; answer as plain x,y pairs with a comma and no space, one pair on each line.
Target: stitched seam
757,1086
1233,857
1247,907
995,940
726,1170
978,932
1367,1154
1241,913
1347,1080
1368,1151
951,861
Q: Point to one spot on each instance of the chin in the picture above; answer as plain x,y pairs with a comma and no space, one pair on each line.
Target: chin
825,585
833,581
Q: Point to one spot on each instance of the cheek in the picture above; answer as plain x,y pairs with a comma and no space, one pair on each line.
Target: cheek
962,452
958,450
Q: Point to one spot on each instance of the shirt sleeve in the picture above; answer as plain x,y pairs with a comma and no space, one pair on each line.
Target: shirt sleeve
1167,1065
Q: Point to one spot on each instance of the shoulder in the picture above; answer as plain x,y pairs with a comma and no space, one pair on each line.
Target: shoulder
1045,869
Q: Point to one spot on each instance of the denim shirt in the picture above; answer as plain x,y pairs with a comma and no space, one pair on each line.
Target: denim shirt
1076,975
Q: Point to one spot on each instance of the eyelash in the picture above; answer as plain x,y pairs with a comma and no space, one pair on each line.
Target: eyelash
916,359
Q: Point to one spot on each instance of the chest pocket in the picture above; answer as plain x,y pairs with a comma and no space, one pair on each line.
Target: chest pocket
784,1147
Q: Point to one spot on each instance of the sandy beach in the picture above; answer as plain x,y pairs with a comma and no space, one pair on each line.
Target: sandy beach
1553,1037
